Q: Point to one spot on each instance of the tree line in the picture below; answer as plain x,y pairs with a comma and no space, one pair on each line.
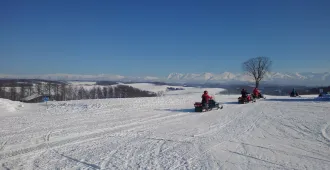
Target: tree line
62,92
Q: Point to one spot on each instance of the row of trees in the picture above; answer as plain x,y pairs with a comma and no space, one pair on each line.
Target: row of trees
62,92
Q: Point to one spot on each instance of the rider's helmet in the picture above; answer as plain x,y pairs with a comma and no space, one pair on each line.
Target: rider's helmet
205,92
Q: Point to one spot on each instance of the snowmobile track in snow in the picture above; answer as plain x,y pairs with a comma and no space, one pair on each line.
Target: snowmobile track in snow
96,134
326,132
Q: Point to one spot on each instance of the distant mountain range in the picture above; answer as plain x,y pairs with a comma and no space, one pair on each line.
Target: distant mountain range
308,78
270,78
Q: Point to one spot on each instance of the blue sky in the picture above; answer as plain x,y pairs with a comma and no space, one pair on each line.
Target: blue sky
149,37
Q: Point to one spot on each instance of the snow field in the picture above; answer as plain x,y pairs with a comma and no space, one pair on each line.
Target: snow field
166,133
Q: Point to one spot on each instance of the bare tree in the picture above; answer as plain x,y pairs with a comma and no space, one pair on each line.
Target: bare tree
22,91
13,93
30,88
257,68
99,93
69,92
49,88
75,93
63,92
92,93
81,93
110,93
56,90
2,91
105,92
39,88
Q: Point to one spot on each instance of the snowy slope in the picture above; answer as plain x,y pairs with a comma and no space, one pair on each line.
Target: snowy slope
165,133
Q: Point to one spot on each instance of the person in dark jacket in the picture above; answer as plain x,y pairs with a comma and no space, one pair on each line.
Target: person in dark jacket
244,93
205,99
294,93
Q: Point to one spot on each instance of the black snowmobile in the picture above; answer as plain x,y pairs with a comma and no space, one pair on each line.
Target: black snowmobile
248,99
294,93
212,104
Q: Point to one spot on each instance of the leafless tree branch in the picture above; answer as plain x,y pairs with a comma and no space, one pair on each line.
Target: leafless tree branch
257,68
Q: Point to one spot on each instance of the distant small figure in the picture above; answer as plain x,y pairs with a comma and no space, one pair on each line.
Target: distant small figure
294,93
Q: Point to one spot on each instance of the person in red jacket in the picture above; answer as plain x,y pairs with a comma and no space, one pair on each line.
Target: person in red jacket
205,99
256,92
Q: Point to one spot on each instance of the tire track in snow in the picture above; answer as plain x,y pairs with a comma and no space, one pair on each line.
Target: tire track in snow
247,130
325,130
88,136
3,144
191,160
216,128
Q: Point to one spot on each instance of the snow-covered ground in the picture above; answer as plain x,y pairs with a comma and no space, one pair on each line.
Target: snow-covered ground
8,106
163,88
165,133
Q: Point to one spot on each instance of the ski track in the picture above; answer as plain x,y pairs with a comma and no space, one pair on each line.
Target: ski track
326,132
165,133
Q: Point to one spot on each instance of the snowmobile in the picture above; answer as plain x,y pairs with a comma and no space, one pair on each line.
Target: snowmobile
294,93
248,99
327,95
211,105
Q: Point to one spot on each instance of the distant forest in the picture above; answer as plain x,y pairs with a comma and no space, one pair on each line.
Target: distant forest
16,90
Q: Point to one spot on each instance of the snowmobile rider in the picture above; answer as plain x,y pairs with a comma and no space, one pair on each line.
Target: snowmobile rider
244,93
257,94
205,99
294,93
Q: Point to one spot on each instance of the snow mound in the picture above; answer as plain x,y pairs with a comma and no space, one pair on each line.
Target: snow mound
9,106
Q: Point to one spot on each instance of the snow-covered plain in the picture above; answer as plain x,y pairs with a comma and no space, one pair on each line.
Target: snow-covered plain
165,133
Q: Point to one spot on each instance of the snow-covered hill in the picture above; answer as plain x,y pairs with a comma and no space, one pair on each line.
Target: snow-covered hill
165,133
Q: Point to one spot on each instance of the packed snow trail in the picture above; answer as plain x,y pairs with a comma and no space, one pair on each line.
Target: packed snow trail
165,133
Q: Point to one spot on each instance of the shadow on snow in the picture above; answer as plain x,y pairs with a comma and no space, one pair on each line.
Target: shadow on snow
177,110
301,100
230,102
